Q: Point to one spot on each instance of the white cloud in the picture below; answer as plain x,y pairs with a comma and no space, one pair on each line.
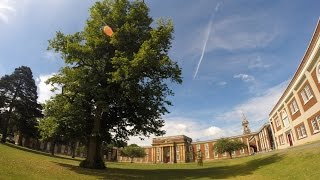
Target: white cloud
51,56
222,83
6,8
235,33
257,63
244,77
256,109
189,127
44,90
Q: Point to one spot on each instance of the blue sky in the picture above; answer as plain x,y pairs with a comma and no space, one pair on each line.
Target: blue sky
252,50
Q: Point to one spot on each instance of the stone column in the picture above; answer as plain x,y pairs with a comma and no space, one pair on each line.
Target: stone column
255,138
183,153
249,148
171,154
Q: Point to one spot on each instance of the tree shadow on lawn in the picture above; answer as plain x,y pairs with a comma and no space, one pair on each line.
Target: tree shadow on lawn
219,172
38,152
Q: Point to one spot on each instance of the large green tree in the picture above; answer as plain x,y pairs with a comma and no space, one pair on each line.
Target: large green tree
64,122
133,151
228,145
124,78
18,100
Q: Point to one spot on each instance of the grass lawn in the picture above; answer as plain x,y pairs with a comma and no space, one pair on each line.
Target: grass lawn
295,163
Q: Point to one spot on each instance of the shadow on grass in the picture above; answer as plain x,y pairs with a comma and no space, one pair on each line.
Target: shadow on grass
218,172
37,152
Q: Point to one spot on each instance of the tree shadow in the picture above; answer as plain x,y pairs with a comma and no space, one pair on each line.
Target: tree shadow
218,172
38,152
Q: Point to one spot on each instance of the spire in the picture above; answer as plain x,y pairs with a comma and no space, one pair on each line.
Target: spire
245,125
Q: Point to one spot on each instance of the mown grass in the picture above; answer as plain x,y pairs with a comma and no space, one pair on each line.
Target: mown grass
295,163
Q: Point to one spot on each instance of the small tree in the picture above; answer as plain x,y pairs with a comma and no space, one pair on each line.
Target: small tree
133,151
227,145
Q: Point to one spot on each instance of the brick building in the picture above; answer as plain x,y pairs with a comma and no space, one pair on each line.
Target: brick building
295,119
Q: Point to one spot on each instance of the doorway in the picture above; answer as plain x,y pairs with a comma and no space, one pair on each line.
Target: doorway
290,139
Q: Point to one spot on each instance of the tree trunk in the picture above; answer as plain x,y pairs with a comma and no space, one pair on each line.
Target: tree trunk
230,153
53,144
4,130
5,124
73,149
94,157
131,159
7,119
19,140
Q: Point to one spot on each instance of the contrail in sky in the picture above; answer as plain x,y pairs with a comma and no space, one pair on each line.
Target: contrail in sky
206,39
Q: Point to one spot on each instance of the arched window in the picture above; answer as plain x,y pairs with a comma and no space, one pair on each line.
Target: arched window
285,119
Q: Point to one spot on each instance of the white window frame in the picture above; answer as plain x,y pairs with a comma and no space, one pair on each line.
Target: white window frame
242,151
216,154
301,131
277,122
285,118
294,107
191,152
206,149
315,125
306,94
198,147
281,139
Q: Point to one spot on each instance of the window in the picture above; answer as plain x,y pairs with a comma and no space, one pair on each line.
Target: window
281,139
242,151
315,123
191,152
158,157
285,119
306,94
206,148
216,154
294,107
158,150
233,153
147,154
224,154
277,122
198,147
301,131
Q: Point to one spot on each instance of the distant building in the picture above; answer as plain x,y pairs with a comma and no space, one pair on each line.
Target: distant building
295,119
181,149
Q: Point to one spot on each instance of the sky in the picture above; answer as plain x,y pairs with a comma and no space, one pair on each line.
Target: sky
236,56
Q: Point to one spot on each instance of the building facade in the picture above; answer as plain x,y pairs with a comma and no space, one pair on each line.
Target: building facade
295,119
181,149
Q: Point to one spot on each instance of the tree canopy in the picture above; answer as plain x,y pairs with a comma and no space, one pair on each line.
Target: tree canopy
123,79
133,151
228,145
18,100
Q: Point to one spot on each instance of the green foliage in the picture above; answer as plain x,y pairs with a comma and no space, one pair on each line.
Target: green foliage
228,145
63,122
18,99
133,151
122,79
